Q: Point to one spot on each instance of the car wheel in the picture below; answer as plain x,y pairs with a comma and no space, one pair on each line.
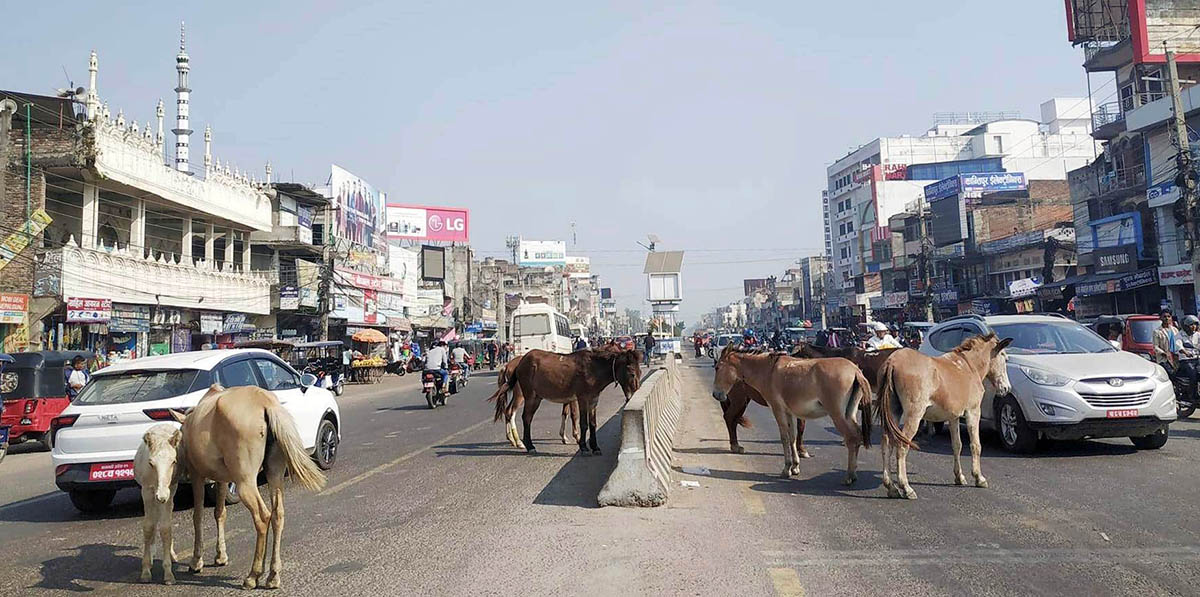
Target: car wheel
1184,410
327,444
47,440
92,502
1015,434
1153,441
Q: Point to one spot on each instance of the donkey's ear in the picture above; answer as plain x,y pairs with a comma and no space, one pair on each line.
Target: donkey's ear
179,417
176,438
1001,345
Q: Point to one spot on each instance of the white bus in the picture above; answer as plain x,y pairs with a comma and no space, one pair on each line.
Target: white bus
538,325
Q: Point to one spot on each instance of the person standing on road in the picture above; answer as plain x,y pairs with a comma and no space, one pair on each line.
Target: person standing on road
580,344
882,338
491,355
77,376
1167,342
648,344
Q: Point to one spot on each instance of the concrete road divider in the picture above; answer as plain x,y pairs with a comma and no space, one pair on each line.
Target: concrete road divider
643,472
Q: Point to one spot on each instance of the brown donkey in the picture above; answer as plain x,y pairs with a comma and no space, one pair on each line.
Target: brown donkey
802,388
563,378
939,389
504,380
229,437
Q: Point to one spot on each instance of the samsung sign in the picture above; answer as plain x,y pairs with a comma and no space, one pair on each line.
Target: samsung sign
1111,260
982,182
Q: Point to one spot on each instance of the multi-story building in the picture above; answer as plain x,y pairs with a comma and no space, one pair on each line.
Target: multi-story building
877,181
132,252
295,247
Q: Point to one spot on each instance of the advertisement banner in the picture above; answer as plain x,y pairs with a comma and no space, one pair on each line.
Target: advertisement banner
369,282
129,318
360,209
181,340
233,323
304,218
449,224
370,306
211,323
13,307
88,310
750,285
308,278
539,253
1174,275
405,265
18,240
1162,194
1111,260
1024,287
578,267
981,182
1114,231
289,298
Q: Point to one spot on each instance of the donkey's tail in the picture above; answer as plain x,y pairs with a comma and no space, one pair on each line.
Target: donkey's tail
744,422
500,397
888,419
301,467
861,401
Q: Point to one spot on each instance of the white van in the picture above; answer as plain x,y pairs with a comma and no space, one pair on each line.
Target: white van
538,325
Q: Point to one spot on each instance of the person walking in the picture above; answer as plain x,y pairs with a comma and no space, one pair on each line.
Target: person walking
648,344
491,355
1167,342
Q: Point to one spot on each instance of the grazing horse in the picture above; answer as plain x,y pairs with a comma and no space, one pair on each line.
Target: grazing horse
229,437
156,469
504,380
563,378
944,388
802,388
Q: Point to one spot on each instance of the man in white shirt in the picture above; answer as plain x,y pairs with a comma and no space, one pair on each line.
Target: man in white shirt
437,359
460,356
881,339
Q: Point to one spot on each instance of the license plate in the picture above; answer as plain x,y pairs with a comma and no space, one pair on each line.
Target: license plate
1122,413
111,471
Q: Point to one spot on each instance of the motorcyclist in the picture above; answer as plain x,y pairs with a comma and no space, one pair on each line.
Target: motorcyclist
748,339
437,360
882,337
1189,354
1167,342
459,355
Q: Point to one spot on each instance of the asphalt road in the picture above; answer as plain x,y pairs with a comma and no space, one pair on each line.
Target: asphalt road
437,503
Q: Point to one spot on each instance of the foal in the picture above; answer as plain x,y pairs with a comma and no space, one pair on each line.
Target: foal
156,469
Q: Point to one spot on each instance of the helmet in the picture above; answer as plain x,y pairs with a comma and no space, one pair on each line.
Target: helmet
878,326
1191,320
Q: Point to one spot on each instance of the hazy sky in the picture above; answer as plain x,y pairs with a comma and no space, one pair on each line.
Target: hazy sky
707,123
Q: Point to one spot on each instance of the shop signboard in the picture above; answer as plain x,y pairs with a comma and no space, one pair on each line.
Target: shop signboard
304,218
1130,281
1111,260
233,323
1024,287
289,298
369,282
211,323
181,340
129,318
308,277
578,267
1162,194
945,296
540,253
89,310
895,300
19,239
13,307
1174,275
416,222
474,328
360,209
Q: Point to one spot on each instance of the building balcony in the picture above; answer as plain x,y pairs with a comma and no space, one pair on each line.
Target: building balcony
1108,121
126,277
1100,56
1120,181
296,238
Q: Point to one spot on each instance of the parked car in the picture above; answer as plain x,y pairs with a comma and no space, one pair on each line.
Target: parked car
34,390
1067,383
96,437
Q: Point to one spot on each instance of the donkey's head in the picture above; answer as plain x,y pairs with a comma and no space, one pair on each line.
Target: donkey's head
162,445
627,368
989,351
727,373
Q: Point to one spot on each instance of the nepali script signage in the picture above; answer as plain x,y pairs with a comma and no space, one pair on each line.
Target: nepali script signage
982,182
89,310
1138,279
1174,275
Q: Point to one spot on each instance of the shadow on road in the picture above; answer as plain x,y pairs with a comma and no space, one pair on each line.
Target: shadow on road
127,504
27,447
828,483
497,449
405,407
579,481
101,563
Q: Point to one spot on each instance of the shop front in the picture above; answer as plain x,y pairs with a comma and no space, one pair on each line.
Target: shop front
1119,294
14,330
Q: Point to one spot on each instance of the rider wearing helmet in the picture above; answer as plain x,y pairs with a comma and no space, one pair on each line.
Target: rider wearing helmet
1188,368
881,338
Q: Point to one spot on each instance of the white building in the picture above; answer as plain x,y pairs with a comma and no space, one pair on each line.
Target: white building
876,181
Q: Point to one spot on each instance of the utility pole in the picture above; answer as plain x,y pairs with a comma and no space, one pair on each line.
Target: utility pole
923,264
326,285
1185,177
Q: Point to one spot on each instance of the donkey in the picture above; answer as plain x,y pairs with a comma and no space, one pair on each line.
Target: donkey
229,437
563,378
803,388
156,469
505,380
733,410
940,389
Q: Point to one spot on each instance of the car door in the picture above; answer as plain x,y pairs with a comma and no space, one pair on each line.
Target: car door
285,384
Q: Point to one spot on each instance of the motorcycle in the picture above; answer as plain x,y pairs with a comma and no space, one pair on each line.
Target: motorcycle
458,378
1187,395
435,394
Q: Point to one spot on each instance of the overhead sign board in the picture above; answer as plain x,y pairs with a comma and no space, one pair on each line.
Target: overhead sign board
1173,275
540,253
448,224
578,267
13,307
88,310
360,209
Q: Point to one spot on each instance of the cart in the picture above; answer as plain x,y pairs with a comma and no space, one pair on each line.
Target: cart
368,370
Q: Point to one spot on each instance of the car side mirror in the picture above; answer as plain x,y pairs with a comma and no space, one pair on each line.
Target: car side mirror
308,380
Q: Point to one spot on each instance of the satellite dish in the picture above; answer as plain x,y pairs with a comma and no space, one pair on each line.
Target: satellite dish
653,238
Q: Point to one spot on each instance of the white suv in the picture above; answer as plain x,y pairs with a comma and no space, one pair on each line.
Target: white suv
1067,383
96,437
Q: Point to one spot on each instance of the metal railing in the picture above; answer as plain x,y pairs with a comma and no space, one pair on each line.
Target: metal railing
1125,178
1107,114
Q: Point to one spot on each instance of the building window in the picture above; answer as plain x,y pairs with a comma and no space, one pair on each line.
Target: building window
999,143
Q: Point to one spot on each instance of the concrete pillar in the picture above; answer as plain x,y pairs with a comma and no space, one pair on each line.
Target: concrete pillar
137,229
186,239
228,250
90,217
210,246
245,252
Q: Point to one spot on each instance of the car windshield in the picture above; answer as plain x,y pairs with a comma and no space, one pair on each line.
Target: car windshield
1065,337
137,386
1142,330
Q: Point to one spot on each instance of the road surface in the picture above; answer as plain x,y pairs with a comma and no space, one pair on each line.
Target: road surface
437,503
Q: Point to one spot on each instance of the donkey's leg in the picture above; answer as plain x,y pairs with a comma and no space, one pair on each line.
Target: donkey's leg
260,515
150,517
197,563
562,427
910,426
956,450
800,439
733,412
973,433
885,449
531,406
276,465
853,440
584,417
163,520
782,418
219,516
595,445
795,468
517,403
574,408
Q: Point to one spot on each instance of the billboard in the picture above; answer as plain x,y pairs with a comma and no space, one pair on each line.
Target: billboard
433,263
980,182
752,284
539,253
578,267
360,209
949,220
1119,230
449,224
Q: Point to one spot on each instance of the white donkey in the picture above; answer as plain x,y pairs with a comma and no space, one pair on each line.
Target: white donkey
156,468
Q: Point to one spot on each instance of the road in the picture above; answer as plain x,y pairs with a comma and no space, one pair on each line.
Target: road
437,503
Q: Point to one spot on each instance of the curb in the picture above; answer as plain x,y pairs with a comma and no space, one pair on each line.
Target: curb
642,475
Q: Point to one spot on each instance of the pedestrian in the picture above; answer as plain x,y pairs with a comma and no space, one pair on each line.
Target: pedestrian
648,344
491,354
1167,342
77,376
580,344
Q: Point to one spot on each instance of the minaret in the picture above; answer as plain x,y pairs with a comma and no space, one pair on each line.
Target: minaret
182,130
93,98
158,137
207,149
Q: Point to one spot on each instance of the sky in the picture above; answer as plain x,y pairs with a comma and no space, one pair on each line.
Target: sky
709,124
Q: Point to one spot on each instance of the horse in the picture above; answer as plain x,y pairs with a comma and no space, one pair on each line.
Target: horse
229,437
156,469
504,380
802,388
563,378
944,389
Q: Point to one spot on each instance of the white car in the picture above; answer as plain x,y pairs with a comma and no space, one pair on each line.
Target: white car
96,437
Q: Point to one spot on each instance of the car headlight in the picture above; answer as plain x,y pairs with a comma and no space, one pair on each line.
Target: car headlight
1045,378
1160,374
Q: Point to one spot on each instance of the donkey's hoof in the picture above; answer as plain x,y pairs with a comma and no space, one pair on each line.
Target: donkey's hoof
250,583
795,470
981,482
272,581
585,452
893,491
736,449
196,566
221,560
565,440
909,493
145,577
850,480
597,451
805,454
530,450
960,480
169,579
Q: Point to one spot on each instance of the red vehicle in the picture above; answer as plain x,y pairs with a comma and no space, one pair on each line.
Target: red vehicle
624,342
34,390
1137,331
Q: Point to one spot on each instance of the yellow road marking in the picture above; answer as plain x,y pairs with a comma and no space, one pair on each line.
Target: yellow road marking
786,581
753,502
383,467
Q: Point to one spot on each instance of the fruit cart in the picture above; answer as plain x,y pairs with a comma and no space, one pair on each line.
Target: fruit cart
367,370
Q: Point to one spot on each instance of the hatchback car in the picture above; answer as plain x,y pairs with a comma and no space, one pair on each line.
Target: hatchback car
1067,383
96,437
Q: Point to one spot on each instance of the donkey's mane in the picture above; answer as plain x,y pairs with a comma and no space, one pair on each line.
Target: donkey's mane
974,341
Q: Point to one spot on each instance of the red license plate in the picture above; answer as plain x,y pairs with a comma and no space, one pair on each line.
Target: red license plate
1123,413
111,471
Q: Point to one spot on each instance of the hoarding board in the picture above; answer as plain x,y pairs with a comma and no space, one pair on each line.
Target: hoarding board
977,183
1111,260
949,221
578,267
13,307
360,216
1119,230
540,253
88,310
416,222
433,263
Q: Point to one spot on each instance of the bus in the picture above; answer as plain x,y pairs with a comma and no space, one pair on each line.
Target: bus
538,325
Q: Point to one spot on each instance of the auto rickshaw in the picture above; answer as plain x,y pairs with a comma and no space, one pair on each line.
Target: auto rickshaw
282,348
34,390
4,360
321,359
